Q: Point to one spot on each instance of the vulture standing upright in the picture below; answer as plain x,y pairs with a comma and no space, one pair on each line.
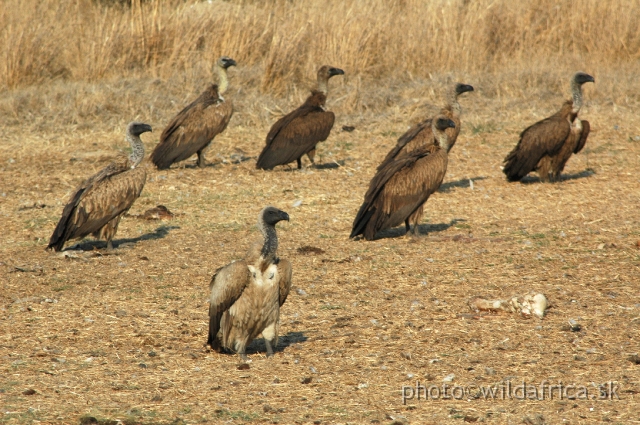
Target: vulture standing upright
246,295
193,129
98,204
547,145
298,132
421,135
404,184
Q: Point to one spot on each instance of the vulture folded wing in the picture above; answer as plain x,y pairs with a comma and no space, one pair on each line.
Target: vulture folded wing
404,140
586,128
227,284
107,199
545,137
284,279
378,182
192,129
294,135
69,225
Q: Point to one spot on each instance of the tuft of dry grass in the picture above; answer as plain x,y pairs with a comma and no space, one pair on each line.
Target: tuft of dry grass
88,41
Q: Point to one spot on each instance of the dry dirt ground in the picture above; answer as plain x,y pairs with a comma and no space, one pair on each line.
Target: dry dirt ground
94,336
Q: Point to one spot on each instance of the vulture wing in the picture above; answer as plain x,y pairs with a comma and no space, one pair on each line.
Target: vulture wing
226,286
586,128
377,184
99,199
192,129
284,279
294,135
545,137
420,132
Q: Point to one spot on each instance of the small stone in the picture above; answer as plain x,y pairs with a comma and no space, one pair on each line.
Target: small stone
306,380
29,391
243,366
449,378
142,366
152,354
489,371
406,355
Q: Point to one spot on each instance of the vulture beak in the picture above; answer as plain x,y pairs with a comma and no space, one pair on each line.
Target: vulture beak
145,127
451,124
335,71
230,62
284,216
463,88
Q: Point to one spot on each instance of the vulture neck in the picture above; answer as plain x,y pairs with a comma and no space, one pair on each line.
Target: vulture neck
137,149
323,85
223,80
441,138
576,94
453,102
270,245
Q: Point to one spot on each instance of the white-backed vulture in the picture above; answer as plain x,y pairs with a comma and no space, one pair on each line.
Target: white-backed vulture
193,129
298,132
98,204
403,185
246,295
547,145
421,135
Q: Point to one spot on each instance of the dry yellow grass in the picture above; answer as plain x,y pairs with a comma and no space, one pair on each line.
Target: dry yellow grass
121,336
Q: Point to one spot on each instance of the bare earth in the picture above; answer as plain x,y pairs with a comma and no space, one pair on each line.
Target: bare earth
98,336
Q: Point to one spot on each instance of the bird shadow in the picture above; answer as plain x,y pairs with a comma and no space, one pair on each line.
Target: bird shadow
284,341
328,165
463,183
90,245
423,229
563,177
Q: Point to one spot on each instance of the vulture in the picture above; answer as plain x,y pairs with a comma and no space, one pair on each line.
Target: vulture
422,135
246,295
547,145
193,129
99,203
298,132
404,184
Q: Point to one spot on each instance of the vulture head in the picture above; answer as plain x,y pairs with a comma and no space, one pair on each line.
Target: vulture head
324,73
463,88
581,78
442,123
225,62
137,128
271,215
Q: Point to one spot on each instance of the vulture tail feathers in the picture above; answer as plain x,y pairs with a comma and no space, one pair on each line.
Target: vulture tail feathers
62,231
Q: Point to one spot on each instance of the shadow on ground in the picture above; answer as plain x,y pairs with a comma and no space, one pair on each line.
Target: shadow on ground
90,245
563,177
423,229
284,341
462,183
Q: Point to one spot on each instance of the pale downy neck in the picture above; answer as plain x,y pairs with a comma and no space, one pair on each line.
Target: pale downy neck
576,94
453,102
441,137
270,246
137,149
323,85
223,80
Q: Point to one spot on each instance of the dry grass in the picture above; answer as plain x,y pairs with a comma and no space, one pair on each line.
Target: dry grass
122,336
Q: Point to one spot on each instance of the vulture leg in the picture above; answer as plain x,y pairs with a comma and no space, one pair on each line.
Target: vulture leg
311,154
407,226
299,160
270,335
201,158
108,231
109,245
544,169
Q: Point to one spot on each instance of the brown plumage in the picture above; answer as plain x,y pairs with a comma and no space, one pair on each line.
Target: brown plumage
403,185
421,135
193,129
547,145
246,295
98,204
298,132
